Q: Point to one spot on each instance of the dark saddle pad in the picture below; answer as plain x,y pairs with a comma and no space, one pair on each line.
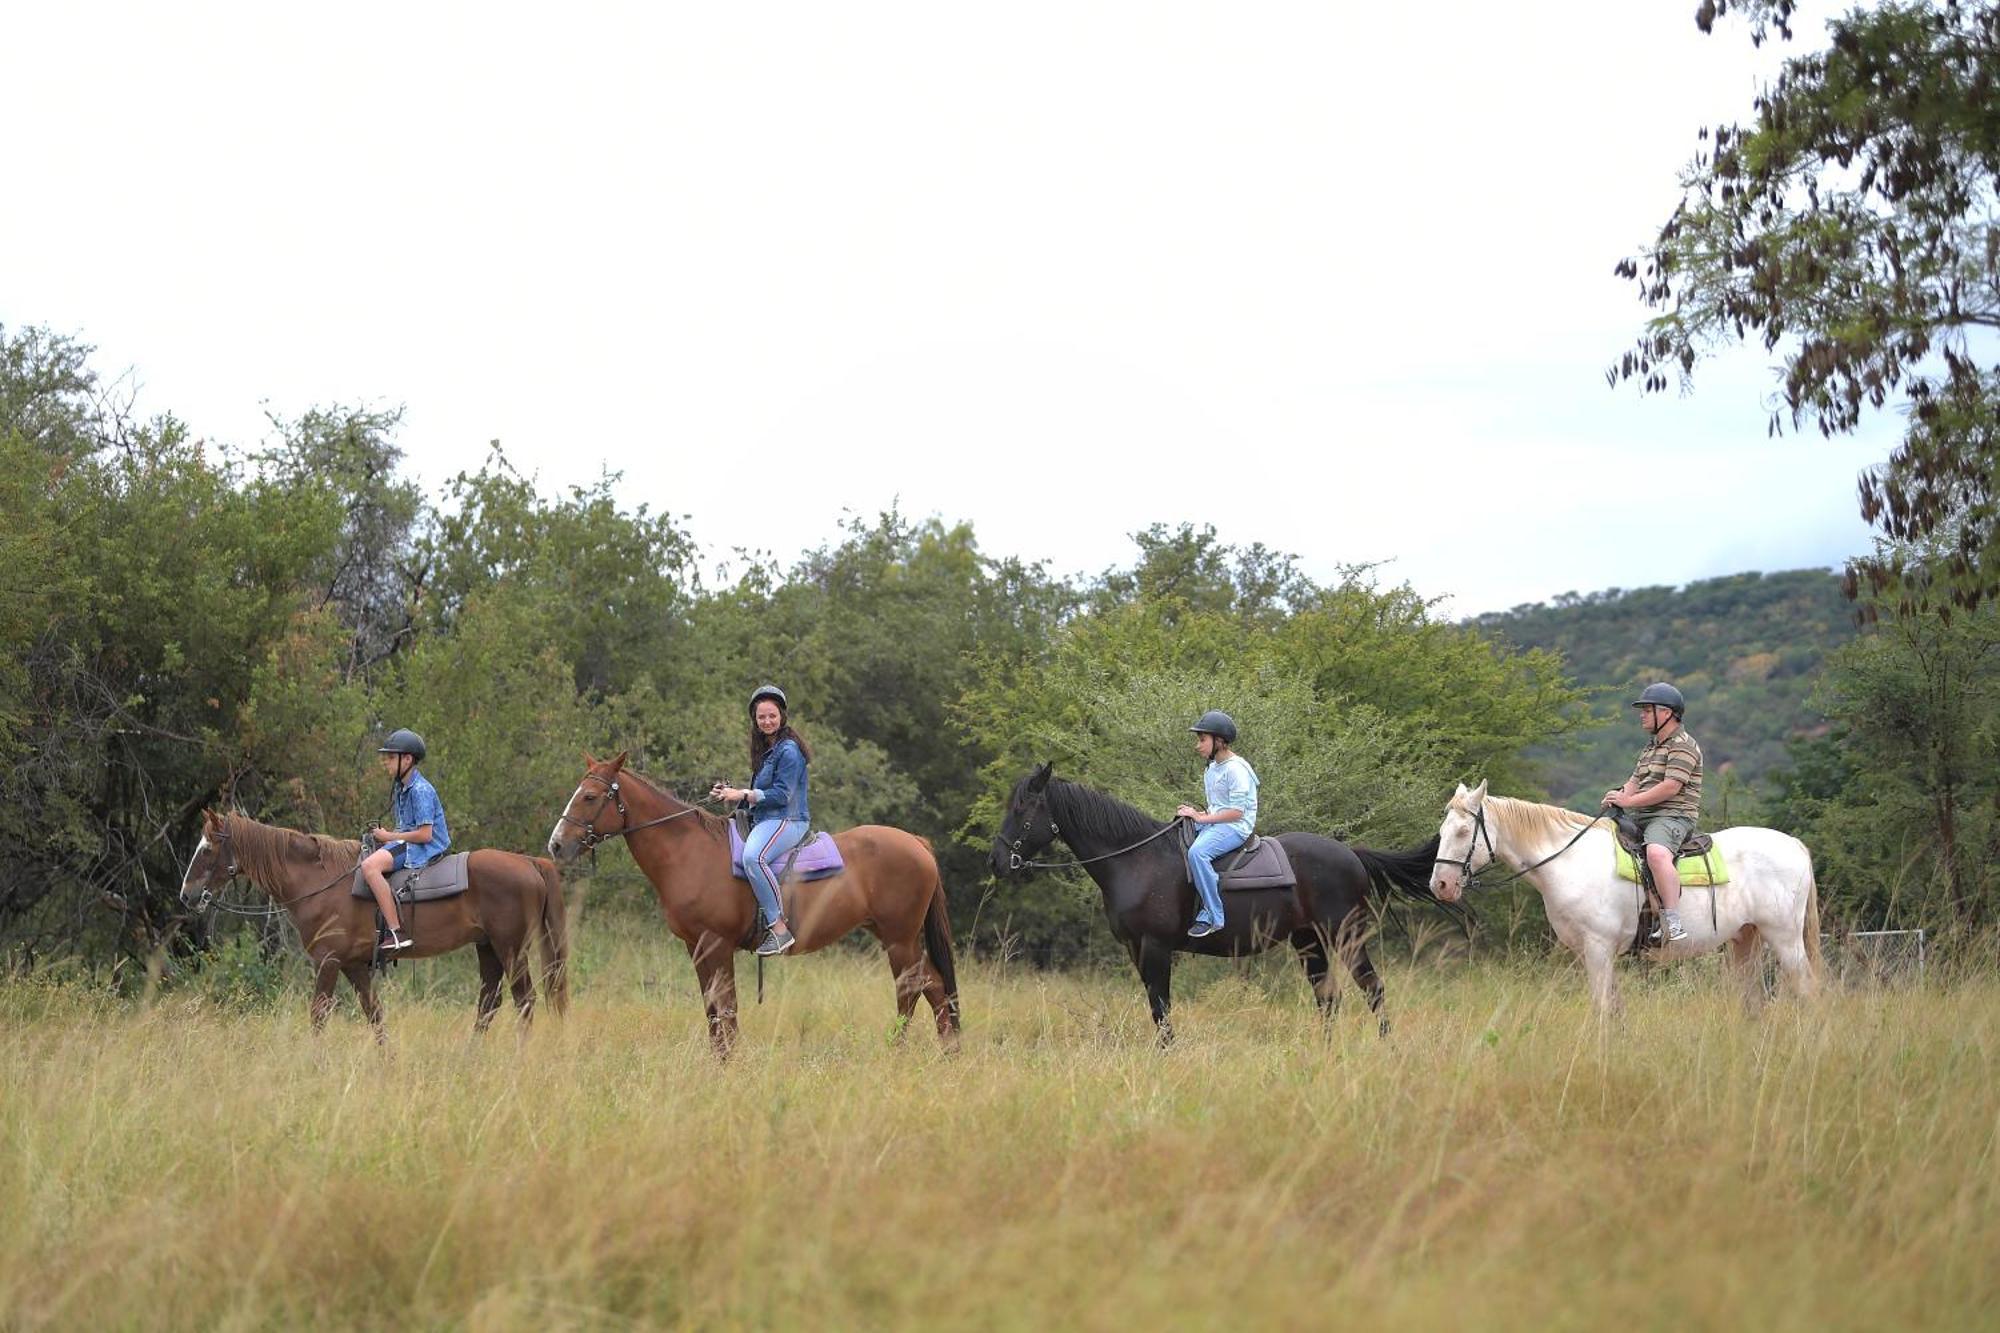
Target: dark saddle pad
1633,839
815,858
1259,863
445,877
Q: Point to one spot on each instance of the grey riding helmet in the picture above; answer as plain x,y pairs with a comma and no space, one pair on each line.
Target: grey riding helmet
1662,695
404,741
1218,724
770,692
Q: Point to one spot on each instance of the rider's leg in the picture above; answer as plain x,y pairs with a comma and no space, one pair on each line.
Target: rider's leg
1213,841
767,844
1666,878
1664,835
374,869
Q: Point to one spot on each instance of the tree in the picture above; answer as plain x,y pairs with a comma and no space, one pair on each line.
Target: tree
1852,224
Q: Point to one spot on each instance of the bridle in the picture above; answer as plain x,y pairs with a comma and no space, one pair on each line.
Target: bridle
591,837
1480,832
1015,861
209,898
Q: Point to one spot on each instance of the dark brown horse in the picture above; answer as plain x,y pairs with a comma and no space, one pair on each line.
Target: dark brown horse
511,901
891,886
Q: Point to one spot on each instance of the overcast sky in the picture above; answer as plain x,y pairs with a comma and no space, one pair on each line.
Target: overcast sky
1335,278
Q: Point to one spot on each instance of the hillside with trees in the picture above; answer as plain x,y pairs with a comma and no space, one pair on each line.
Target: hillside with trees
1746,650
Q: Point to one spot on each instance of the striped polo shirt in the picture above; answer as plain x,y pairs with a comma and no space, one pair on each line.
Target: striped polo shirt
1677,756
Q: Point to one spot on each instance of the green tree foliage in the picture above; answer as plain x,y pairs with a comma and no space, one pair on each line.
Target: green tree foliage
1851,224
214,629
1745,650
1901,804
1358,710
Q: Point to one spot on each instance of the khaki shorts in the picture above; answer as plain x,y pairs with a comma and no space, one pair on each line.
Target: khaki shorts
1668,831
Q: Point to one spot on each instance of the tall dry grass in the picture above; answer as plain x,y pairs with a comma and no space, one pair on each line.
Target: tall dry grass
1501,1160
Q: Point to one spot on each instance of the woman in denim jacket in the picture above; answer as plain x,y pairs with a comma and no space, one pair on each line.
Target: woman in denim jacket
776,799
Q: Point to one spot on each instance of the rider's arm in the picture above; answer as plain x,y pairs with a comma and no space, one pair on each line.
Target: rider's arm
1664,790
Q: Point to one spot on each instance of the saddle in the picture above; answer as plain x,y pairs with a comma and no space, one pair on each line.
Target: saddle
1260,863
814,858
446,877
1697,861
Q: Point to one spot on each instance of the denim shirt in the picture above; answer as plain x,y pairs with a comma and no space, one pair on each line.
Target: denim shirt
417,804
1232,785
780,784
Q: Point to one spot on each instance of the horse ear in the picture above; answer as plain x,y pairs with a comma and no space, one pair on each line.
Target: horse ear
1479,794
589,759
619,762
1040,777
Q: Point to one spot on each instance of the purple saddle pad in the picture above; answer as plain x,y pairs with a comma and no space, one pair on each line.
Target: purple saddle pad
815,858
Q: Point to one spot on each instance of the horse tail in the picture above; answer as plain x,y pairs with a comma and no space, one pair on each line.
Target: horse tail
1408,872
1815,961
937,942
555,936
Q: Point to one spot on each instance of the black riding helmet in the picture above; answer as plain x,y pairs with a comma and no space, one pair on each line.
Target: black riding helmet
404,741
1662,695
1218,724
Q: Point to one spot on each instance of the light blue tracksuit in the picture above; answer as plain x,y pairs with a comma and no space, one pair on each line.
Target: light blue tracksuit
1230,785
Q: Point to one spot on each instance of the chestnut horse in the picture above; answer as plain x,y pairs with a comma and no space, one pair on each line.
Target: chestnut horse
511,899
891,886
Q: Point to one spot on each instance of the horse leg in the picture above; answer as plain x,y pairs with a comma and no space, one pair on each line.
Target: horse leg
715,969
1310,946
1791,951
1599,965
364,991
1155,962
522,979
1352,945
489,986
1743,961
906,965
326,975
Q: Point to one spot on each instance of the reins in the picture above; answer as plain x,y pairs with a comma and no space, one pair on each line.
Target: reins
1479,831
277,904
1015,861
591,837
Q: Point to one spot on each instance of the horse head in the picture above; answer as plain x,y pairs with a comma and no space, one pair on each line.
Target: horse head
212,865
595,810
1028,827
1464,845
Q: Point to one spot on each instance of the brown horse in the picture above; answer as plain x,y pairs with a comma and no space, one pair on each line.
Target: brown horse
891,886
511,900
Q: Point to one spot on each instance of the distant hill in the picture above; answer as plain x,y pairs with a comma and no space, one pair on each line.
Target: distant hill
1744,649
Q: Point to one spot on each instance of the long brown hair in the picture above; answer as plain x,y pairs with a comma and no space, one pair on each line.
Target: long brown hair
761,745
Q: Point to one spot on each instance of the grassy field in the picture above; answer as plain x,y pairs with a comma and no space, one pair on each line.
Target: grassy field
1500,1161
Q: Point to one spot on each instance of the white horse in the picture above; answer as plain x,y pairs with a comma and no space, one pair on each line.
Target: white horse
1771,895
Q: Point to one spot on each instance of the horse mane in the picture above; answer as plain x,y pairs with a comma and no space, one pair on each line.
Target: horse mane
265,851
1096,816
716,826
1529,822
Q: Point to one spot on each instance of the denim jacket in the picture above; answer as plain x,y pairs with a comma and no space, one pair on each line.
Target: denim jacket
417,804
779,789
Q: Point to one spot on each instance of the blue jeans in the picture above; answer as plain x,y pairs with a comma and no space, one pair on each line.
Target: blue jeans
765,846
1214,840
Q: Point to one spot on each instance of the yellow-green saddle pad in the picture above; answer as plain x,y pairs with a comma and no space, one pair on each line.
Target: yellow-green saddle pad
1696,871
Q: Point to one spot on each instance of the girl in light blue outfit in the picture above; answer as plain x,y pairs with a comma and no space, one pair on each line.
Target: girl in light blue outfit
776,799
1231,786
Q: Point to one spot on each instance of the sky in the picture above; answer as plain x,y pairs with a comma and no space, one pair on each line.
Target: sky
1333,278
